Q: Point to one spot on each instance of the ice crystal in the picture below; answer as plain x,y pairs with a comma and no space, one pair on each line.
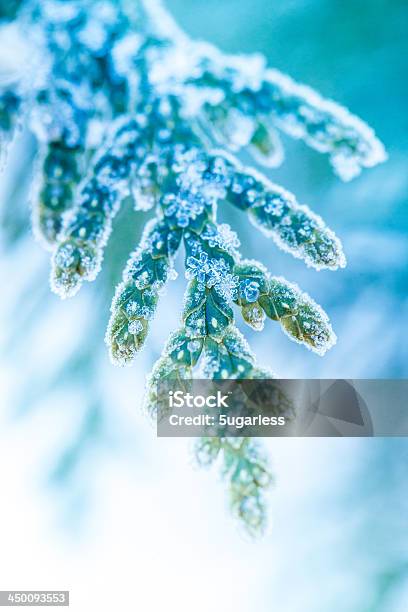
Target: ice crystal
198,267
249,290
213,273
221,236
184,207
125,105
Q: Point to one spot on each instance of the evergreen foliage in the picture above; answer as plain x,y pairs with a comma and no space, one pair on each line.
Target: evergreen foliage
125,105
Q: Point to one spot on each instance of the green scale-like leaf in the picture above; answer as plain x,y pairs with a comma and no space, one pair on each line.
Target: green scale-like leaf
136,298
62,169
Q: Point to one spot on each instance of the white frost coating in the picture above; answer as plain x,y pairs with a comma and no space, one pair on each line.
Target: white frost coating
338,261
369,150
221,236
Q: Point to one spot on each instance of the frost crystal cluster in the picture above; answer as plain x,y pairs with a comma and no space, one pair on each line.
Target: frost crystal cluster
124,105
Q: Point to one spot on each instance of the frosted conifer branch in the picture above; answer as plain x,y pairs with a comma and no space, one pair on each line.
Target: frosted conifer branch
123,103
301,318
77,87
87,226
136,297
238,94
61,171
176,363
78,79
275,211
294,228
247,474
231,357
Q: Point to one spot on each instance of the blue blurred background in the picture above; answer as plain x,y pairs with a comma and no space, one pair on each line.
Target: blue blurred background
91,497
